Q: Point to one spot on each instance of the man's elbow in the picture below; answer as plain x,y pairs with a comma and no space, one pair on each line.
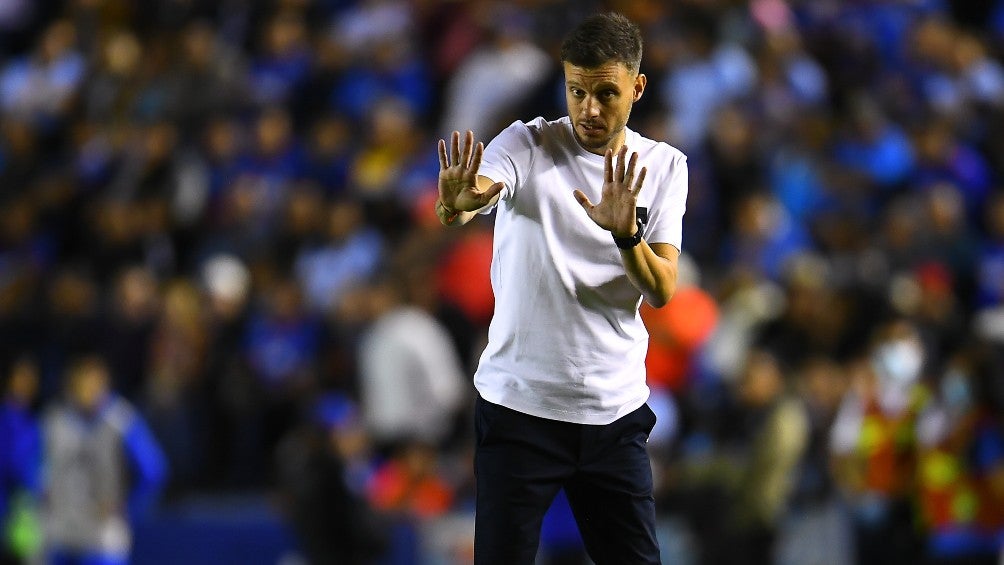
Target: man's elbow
661,296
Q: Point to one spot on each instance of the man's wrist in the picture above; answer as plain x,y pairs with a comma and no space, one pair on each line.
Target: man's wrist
446,208
630,241
446,214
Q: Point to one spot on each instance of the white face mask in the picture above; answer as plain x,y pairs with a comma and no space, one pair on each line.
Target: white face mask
898,361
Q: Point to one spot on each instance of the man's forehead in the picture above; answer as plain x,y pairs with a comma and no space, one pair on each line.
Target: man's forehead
613,72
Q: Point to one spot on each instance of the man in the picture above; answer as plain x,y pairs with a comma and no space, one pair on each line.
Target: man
20,463
580,239
103,468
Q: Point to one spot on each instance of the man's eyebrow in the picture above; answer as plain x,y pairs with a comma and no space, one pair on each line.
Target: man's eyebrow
604,85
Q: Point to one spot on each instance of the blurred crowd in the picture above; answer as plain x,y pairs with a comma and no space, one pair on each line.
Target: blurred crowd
220,269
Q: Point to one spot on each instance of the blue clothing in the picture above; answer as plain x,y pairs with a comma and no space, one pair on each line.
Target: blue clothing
887,160
797,183
990,276
363,86
275,79
147,464
278,350
20,454
770,254
327,272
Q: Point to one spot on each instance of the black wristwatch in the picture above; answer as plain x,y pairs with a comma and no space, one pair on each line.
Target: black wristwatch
629,242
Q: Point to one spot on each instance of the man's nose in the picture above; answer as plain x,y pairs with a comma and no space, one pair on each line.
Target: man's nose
591,107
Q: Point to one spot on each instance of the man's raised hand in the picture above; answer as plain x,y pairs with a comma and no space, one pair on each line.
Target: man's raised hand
615,212
458,176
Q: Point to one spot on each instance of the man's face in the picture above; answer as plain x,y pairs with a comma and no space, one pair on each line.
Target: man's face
88,385
599,103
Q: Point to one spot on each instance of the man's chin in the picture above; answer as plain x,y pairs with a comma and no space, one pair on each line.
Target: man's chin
592,142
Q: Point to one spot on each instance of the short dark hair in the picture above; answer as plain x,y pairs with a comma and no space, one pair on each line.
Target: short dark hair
601,39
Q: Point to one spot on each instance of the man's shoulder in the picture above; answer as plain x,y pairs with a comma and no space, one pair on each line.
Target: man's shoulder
524,141
665,152
537,128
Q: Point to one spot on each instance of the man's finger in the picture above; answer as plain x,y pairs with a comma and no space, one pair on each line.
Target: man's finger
492,192
582,199
479,150
629,175
619,171
455,148
468,148
443,163
608,166
641,180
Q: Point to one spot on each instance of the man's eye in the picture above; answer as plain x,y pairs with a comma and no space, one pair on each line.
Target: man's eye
608,94
577,92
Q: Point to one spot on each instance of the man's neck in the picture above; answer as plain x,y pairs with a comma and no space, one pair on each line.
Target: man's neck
614,144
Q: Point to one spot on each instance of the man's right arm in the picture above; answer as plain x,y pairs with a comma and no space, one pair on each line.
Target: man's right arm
462,192
448,217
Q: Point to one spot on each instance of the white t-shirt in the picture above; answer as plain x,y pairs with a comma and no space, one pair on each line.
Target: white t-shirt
566,341
412,381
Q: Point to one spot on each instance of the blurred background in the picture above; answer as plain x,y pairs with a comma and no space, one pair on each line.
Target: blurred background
233,331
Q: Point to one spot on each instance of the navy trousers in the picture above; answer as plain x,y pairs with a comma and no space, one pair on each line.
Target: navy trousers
521,462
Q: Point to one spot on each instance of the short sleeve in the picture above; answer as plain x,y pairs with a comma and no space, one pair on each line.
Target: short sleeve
666,216
507,159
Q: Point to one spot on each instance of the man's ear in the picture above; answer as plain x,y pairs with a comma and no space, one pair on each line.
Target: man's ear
639,86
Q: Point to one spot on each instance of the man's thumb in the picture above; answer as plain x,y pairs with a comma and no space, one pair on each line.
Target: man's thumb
494,190
583,199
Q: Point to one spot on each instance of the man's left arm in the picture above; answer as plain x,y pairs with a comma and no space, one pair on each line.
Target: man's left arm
651,268
148,465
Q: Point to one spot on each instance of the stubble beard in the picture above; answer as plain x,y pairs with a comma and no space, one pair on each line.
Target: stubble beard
591,145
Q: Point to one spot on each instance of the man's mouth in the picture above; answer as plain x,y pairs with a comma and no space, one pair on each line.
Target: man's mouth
591,129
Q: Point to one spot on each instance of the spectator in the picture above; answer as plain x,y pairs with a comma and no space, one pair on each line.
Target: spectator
706,75
943,156
126,336
323,471
508,59
20,465
349,254
103,469
874,444
281,348
412,384
779,437
329,153
283,61
990,267
40,87
758,476
109,92
228,386
822,384
171,397
388,163
207,82
874,147
765,237
961,450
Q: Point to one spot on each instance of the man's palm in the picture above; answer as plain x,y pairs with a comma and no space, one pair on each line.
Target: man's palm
615,212
458,175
